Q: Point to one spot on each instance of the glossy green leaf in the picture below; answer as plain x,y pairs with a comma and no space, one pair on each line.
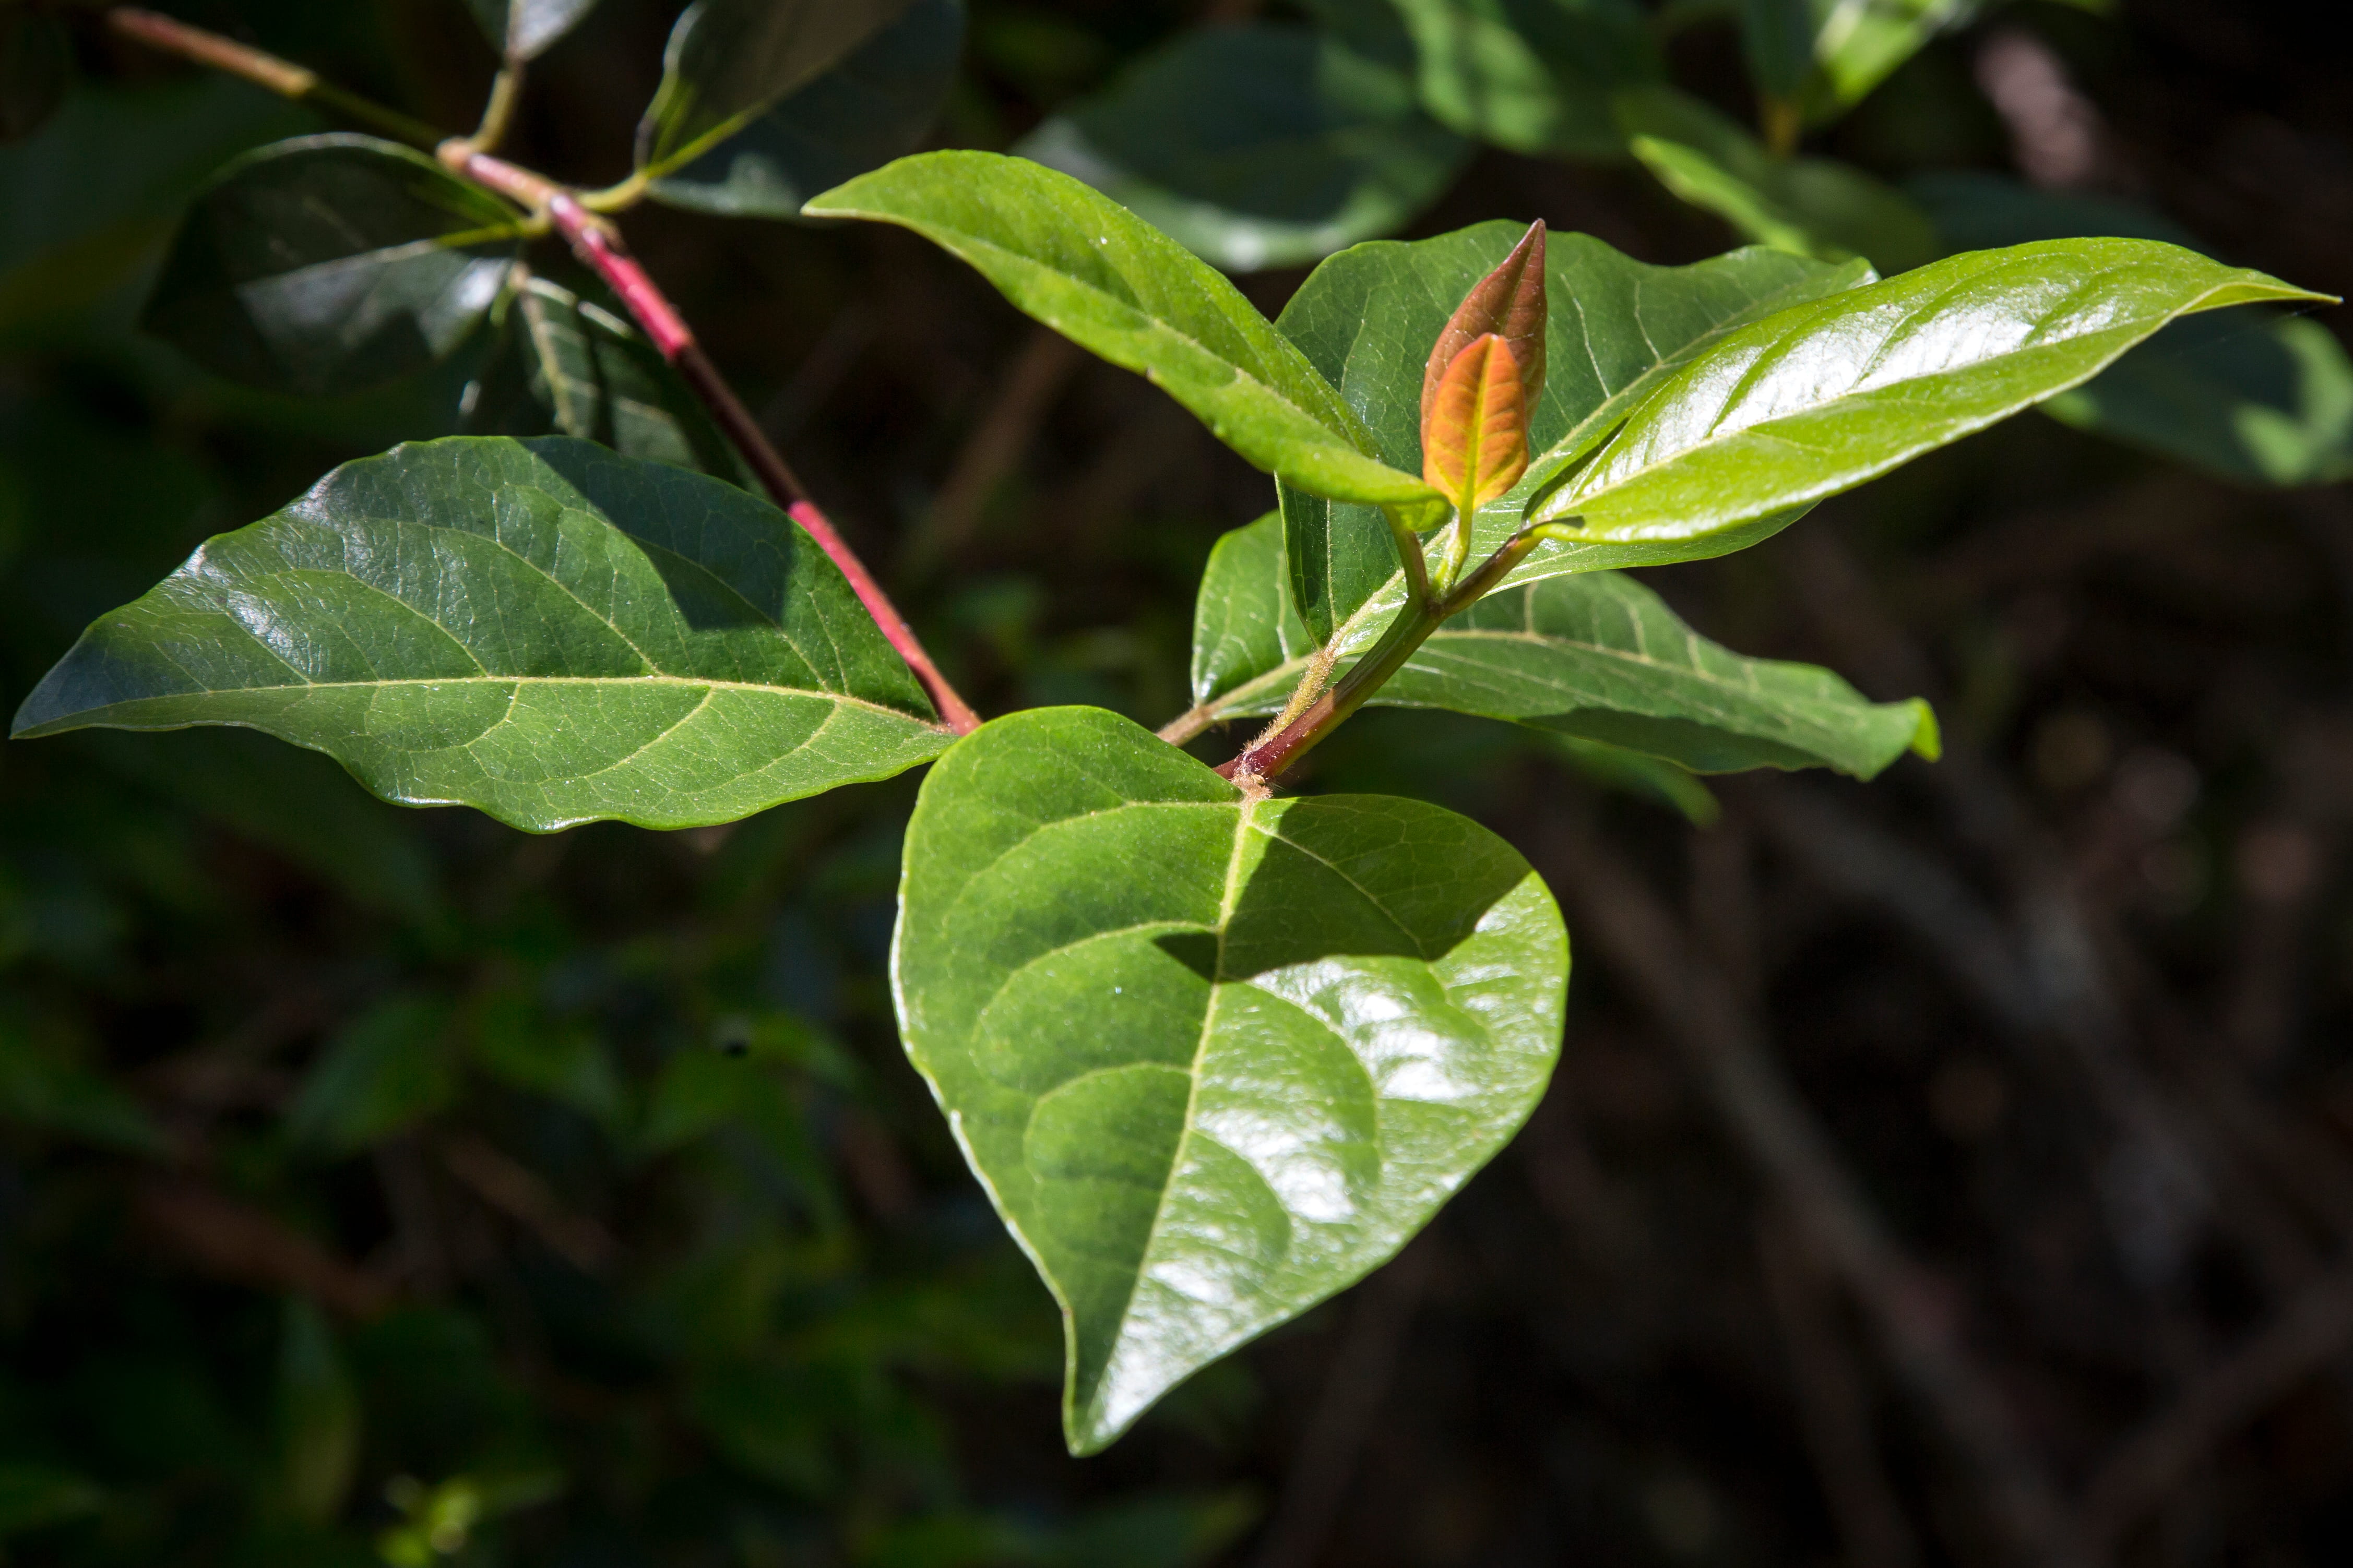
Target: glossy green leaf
1595,655
875,103
1823,56
1214,1060
1534,76
567,365
729,60
332,264
542,629
36,69
522,29
1111,282
1257,146
1821,397
1368,318
2254,396
1813,207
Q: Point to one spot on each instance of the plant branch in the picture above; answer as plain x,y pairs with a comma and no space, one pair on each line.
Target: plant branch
599,247
498,114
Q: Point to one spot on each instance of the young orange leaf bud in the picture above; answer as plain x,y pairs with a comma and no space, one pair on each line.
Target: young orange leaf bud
1510,303
1474,442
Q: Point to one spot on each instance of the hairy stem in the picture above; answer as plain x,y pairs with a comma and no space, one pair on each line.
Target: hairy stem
598,245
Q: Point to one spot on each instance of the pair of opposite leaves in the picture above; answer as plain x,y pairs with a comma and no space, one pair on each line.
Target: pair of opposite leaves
1209,1091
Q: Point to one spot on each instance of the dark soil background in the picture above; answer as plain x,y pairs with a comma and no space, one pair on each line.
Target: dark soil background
1956,1169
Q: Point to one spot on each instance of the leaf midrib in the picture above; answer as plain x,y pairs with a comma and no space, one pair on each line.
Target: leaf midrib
713,684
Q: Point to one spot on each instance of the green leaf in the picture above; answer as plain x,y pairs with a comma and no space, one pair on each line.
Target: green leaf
330,265
1534,76
1368,318
1098,275
42,1088
520,29
1812,207
540,630
869,107
1821,397
1257,146
318,1417
386,1070
1823,56
567,365
729,60
2255,397
1649,778
36,69
1214,1060
32,1496
1595,655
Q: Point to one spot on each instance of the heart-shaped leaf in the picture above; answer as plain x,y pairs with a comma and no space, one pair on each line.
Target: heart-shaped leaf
566,365
1534,76
522,29
1213,1058
1104,278
542,629
1595,655
36,69
1821,397
1367,317
332,264
1259,145
873,105
728,60
2255,396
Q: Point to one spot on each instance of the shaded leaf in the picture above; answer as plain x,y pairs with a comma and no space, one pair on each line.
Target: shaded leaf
567,365
1230,1077
874,104
36,69
1255,146
520,29
42,1088
318,1417
1368,318
1534,76
386,1070
542,629
1812,207
32,1496
1647,777
1823,56
1243,621
1094,272
2255,396
330,265
1821,397
729,60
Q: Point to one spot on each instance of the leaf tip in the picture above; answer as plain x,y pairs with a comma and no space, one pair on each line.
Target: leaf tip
1928,739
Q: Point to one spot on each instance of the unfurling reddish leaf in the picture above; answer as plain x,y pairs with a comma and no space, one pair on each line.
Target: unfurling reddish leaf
1510,303
1474,437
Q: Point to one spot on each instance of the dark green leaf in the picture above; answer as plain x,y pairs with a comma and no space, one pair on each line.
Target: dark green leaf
1257,146
1647,777
1094,272
1534,76
542,629
36,67
730,59
520,29
41,1088
1213,1058
383,1072
872,106
1813,207
2257,397
566,365
1368,318
34,1495
318,1418
1243,622
332,264
1821,397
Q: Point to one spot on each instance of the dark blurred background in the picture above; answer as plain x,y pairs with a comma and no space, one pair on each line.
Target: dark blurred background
1954,1168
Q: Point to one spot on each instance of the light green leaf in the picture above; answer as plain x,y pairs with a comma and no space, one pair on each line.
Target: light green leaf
540,630
2255,397
568,365
1823,56
1821,397
1214,1060
1257,146
36,69
332,264
867,109
1812,207
728,60
1534,76
522,29
1595,655
1367,317
1094,272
